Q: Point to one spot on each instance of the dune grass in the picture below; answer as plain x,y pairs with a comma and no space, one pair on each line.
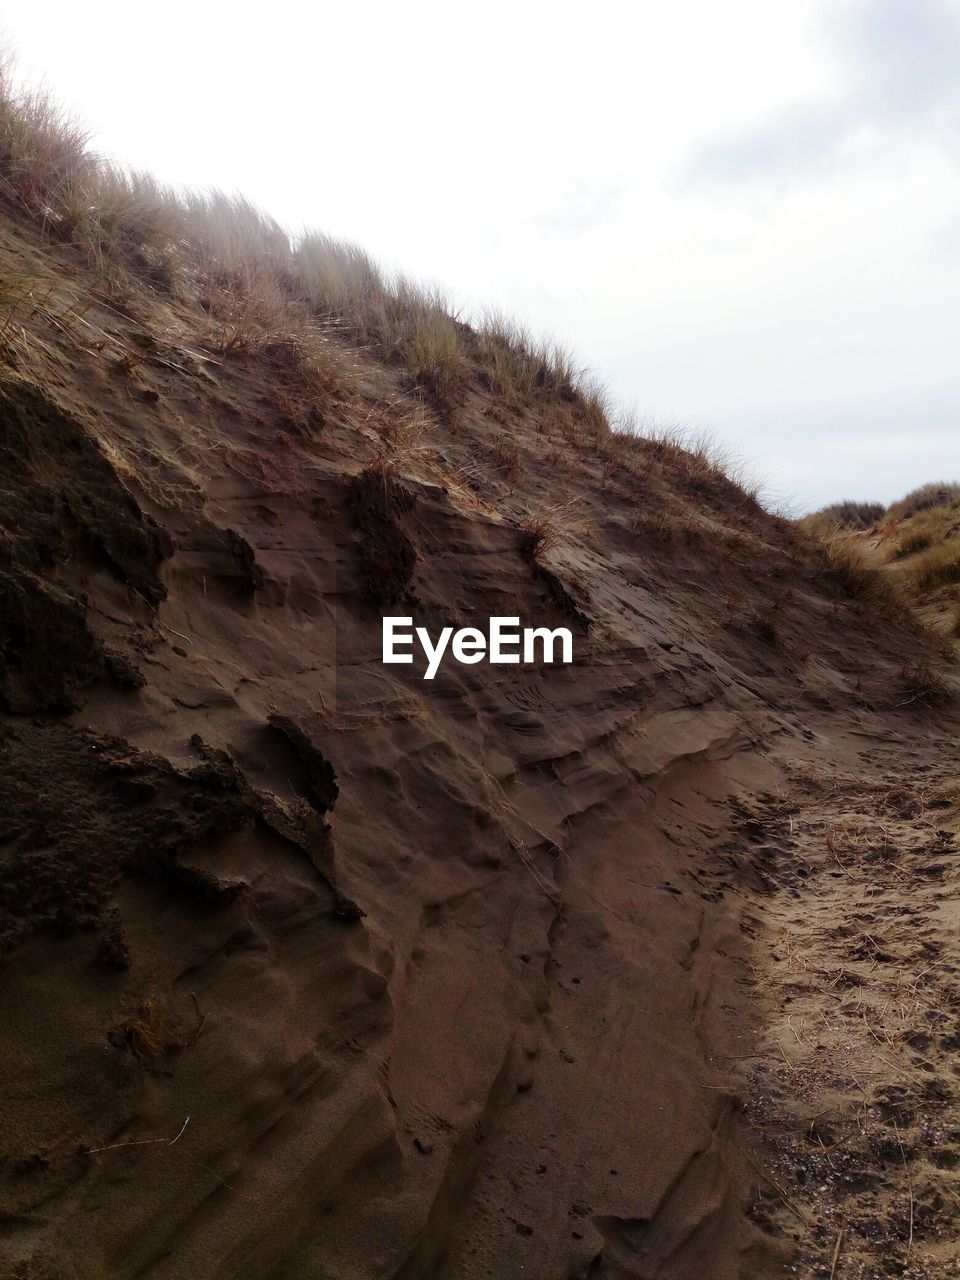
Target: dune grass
925,685
400,320
848,514
514,364
926,528
44,162
701,466
262,291
938,493
906,563
857,572
257,282
937,566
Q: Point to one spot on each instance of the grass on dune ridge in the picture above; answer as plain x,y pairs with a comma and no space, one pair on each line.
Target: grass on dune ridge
262,289
909,550
258,289
254,277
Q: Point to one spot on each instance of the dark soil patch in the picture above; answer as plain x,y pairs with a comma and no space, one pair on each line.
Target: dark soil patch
48,654
79,811
63,511
62,500
321,778
387,552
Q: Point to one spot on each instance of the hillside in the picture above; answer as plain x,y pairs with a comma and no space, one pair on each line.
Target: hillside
312,968
914,545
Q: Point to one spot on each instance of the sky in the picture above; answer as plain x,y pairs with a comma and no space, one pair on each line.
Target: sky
743,218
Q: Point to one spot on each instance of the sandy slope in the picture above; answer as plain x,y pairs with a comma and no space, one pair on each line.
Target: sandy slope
316,970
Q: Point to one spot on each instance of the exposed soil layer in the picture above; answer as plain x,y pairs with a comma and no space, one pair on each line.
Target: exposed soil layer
63,500
64,512
81,811
387,554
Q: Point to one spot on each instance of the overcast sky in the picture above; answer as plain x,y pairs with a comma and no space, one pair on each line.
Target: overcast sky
743,216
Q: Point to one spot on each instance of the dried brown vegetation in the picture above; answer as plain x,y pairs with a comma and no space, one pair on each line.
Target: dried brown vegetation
925,685
260,287
847,515
148,1033
858,574
937,566
939,493
904,558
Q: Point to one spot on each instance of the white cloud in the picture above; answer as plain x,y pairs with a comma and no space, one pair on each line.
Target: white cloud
899,80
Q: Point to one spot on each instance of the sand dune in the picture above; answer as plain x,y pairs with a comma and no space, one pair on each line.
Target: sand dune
313,968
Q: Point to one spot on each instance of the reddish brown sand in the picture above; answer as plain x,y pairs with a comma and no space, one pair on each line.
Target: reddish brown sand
313,970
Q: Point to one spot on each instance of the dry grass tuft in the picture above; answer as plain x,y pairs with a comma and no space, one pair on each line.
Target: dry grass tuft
925,685
542,529
507,458
233,240
847,515
149,1033
855,573
44,162
522,369
937,566
703,468
540,535
924,529
399,320
594,407
911,542
661,526
516,366
21,295
939,493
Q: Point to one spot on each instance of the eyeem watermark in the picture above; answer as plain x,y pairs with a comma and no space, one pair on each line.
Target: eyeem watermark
503,643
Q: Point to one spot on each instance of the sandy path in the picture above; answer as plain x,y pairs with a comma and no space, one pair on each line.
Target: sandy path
853,1092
